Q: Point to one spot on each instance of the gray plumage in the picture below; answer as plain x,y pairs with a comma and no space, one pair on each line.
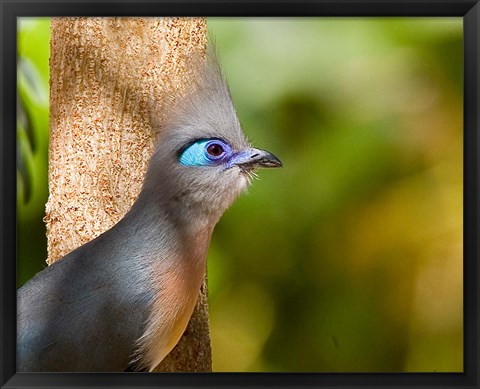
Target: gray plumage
124,299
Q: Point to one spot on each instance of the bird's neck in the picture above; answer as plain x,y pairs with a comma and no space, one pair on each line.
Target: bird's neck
188,210
166,227
172,255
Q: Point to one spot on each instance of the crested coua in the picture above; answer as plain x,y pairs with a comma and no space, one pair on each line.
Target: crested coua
122,301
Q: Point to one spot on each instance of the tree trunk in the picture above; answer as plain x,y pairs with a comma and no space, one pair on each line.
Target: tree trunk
111,81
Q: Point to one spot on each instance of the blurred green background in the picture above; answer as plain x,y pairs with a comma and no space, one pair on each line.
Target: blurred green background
350,258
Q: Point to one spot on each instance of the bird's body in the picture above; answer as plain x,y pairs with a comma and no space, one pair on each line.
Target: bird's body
95,282
123,300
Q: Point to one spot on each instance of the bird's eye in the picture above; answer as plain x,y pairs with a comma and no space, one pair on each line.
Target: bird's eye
215,150
205,152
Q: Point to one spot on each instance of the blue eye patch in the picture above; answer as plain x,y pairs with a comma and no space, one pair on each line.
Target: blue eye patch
205,152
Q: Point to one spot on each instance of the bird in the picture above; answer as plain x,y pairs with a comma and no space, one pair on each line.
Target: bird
122,301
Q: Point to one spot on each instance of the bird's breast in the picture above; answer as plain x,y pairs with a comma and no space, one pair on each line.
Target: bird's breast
177,287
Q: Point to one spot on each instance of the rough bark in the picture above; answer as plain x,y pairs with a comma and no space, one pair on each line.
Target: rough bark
111,81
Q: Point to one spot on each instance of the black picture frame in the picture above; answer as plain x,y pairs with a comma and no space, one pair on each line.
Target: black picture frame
11,10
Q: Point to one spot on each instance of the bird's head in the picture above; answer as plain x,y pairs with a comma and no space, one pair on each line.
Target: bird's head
203,160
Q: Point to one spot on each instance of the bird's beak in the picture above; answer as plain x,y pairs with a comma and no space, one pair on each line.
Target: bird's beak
254,158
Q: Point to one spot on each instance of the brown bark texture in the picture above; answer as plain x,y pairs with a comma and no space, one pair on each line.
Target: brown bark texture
112,80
